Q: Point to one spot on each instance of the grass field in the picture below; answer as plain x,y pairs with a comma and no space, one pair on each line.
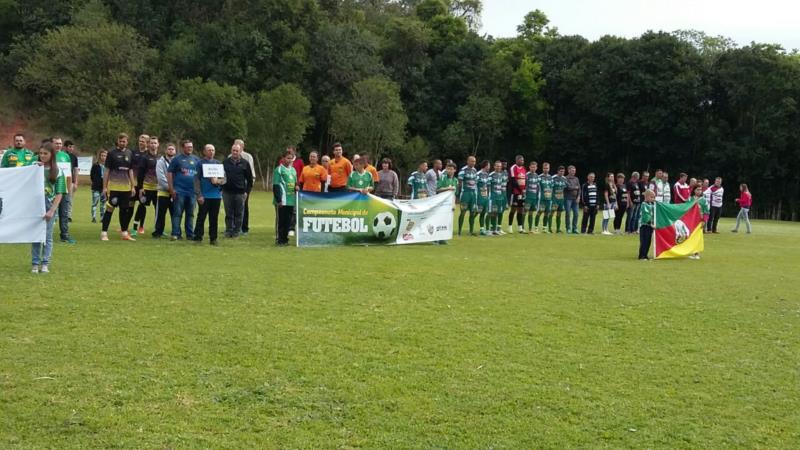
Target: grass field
506,342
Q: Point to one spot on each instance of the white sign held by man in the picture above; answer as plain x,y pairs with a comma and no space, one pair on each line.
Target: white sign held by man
22,205
213,171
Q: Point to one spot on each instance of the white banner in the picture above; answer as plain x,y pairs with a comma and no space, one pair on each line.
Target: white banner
426,220
22,205
84,165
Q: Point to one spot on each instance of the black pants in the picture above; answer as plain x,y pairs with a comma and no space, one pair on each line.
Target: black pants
163,204
620,213
645,239
587,223
284,220
713,218
234,212
246,215
141,210
210,209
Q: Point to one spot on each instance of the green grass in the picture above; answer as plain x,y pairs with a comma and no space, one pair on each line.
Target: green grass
509,342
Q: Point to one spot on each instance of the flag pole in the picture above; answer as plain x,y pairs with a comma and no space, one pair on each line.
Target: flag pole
655,208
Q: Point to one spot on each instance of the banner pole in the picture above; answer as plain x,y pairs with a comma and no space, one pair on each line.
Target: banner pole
297,218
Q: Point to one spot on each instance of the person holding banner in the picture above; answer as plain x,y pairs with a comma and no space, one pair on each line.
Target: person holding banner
284,187
447,182
119,184
55,187
418,182
360,180
18,155
387,185
340,170
96,175
208,189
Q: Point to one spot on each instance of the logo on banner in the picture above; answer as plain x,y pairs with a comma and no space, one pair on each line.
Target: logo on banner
383,225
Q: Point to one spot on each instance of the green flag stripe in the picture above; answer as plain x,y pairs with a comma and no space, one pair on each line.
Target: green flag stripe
667,214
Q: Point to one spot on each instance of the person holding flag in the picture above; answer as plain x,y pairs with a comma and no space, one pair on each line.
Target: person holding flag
646,222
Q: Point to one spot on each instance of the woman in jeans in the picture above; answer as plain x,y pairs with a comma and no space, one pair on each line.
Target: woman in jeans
745,200
388,185
610,201
55,187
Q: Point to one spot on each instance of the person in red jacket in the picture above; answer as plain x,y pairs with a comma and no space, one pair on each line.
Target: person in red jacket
745,200
681,190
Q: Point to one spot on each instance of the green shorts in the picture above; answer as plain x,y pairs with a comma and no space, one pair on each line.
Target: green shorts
468,201
545,206
532,203
483,204
558,205
498,204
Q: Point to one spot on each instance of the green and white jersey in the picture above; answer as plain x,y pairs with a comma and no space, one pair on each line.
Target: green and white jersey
498,184
532,186
447,182
559,184
546,187
468,177
419,185
360,180
17,157
482,183
704,209
52,189
286,178
646,217
64,163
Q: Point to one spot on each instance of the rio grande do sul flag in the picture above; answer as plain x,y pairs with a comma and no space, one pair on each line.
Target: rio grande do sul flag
679,230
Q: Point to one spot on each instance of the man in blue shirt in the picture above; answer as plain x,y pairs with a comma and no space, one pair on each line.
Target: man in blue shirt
181,176
209,197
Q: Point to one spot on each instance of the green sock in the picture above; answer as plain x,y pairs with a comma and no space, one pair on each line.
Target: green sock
530,221
537,220
471,222
461,221
558,222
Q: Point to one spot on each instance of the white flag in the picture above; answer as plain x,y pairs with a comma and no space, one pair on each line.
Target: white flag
22,205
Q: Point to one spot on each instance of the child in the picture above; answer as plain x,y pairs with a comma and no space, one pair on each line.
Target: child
55,187
646,224
697,195
745,200
360,180
98,199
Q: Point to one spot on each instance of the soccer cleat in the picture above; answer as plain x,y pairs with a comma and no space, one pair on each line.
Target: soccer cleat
35,269
44,269
482,232
133,232
510,229
94,220
291,233
174,238
103,236
521,230
140,230
127,237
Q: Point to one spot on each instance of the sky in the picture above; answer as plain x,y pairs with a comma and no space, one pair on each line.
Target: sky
763,21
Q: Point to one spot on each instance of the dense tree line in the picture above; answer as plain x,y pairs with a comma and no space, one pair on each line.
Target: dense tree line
409,79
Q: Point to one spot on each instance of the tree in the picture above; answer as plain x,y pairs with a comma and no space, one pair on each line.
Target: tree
280,118
204,111
57,71
101,129
374,120
480,121
536,25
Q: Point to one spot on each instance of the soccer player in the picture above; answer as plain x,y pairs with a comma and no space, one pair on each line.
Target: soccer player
517,175
559,205
447,182
209,196
163,199
360,180
313,175
482,183
18,155
418,182
181,176
531,193
498,197
137,153
119,184
545,198
284,187
468,194
55,187
64,161
340,170
147,183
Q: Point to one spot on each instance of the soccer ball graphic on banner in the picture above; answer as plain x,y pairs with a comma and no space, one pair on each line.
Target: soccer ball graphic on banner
681,231
383,225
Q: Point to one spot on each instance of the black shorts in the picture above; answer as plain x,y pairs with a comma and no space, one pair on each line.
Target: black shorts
517,201
119,198
148,198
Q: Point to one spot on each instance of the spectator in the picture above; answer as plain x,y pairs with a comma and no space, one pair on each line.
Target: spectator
745,200
163,198
609,201
238,184
18,155
388,184
208,191
181,175
326,164
572,198
589,201
55,187
666,193
707,197
64,162
249,158
716,193
635,196
96,175
623,200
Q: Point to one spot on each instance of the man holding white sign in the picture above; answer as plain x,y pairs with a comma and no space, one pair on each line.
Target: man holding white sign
208,189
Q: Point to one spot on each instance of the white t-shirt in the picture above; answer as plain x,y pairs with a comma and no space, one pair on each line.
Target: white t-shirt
249,158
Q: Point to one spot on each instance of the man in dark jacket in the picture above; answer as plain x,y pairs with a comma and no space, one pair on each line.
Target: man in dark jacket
239,183
98,199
